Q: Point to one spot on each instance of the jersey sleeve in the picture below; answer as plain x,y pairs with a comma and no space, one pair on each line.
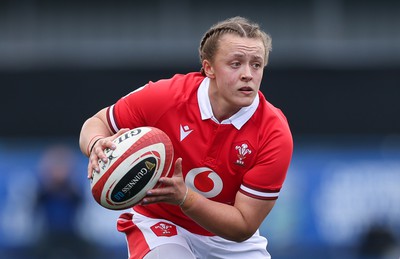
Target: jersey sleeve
146,105
265,179
137,108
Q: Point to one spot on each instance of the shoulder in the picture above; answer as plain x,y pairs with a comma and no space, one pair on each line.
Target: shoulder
270,117
177,91
174,88
274,136
178,87
145,105
179,80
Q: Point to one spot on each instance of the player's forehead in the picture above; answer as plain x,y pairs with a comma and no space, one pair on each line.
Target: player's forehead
235,45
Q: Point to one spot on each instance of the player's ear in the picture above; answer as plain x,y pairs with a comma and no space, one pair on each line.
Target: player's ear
208,69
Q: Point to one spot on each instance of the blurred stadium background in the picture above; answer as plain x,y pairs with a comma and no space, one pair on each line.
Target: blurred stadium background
334,71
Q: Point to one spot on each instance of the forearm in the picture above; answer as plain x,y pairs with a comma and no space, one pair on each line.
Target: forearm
221,219
93,129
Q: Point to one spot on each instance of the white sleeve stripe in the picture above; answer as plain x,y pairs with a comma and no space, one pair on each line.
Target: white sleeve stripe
112,120
260,194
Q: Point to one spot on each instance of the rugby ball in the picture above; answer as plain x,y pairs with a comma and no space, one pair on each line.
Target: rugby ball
142,155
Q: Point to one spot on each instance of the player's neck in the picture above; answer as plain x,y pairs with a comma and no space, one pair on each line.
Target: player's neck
221,109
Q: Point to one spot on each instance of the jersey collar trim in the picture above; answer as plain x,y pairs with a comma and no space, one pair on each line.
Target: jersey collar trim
237,120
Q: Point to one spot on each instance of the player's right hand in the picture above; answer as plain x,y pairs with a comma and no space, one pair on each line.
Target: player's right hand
98,152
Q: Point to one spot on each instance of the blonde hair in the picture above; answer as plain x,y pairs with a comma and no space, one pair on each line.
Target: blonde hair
236,25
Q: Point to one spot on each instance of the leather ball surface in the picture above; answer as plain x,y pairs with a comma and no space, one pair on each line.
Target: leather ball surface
141,157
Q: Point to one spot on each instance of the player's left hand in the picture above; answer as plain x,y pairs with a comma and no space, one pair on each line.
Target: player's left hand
173,189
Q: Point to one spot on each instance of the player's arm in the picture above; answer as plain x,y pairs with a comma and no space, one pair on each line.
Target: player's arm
236,223
94,128
96,136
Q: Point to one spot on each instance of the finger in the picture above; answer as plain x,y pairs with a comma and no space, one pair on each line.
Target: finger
156,195
98,152
178,167
107,143
120,132
100,147
177,173
149,200
164,191
93,166
93,163
89,171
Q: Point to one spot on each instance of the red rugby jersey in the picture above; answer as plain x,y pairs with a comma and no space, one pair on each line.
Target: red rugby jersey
250,152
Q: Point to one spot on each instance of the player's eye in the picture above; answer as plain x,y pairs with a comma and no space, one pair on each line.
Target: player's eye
256,65
235,64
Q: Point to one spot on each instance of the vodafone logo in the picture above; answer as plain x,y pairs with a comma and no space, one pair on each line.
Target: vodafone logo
205,181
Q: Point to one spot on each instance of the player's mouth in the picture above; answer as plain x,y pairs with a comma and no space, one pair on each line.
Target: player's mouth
246,90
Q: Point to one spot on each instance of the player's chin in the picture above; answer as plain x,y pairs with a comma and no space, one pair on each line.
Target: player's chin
244,101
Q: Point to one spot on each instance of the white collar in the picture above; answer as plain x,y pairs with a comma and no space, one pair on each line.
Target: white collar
237,120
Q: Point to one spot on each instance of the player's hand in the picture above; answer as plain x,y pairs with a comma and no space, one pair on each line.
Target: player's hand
98,151
173,189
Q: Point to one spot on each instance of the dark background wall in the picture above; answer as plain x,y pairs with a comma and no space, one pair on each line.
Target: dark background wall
316,101
334,68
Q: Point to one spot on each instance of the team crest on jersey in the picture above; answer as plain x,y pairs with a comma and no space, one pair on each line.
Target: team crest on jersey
164,229
242,151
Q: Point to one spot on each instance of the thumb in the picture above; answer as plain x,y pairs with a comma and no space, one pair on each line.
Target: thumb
178,167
